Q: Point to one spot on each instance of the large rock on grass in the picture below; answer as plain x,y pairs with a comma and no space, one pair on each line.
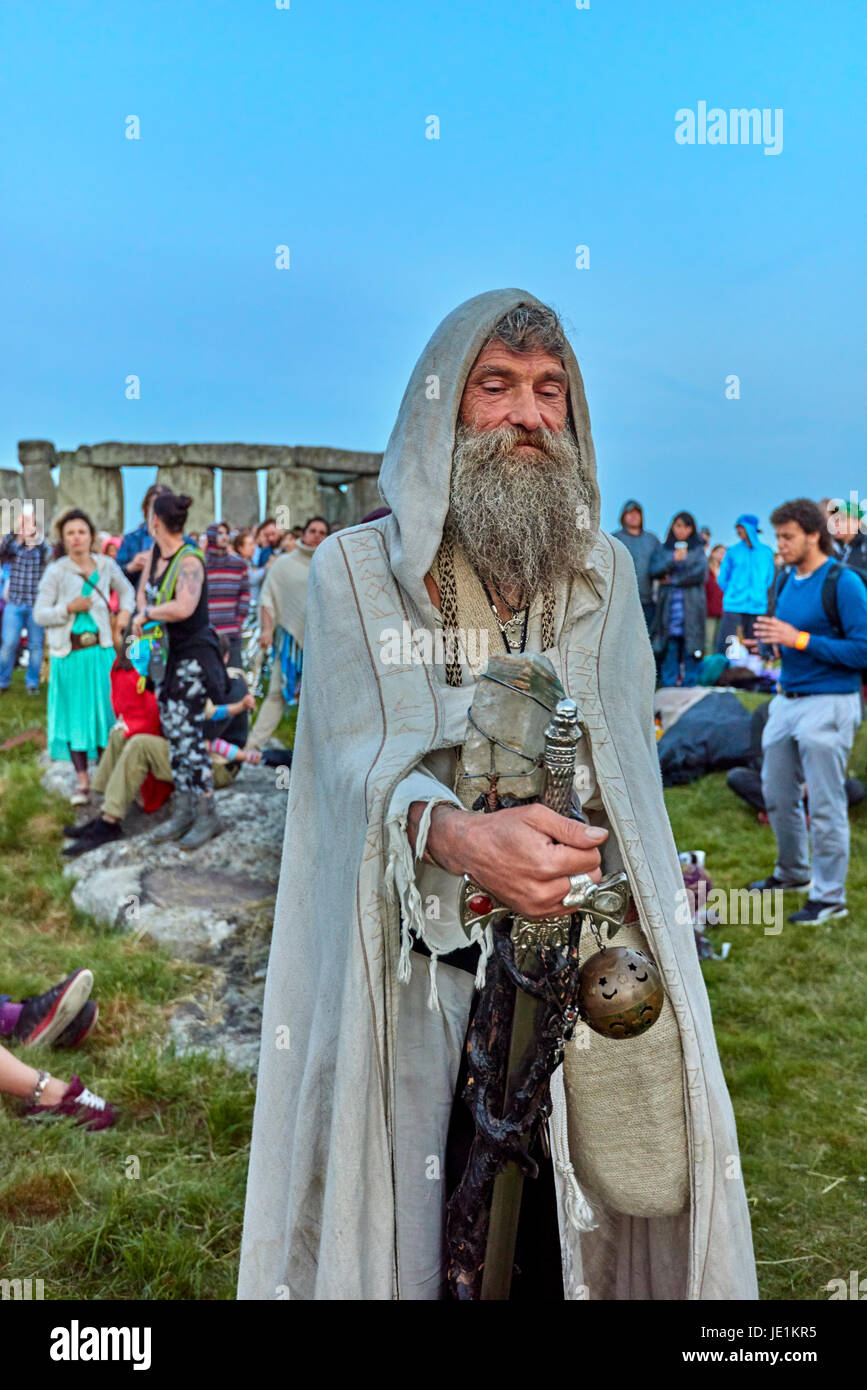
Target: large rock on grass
213,906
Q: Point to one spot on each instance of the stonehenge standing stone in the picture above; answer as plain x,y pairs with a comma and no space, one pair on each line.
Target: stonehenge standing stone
240,498
10,500
97,491
11,484
336,506
296,491
36,457
365,498
197,483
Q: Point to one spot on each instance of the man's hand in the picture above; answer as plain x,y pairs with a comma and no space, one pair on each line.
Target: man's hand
524,855
79,605
138,561
774,631
264,640
248,702
138,623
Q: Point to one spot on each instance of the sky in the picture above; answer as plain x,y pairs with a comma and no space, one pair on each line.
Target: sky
306,125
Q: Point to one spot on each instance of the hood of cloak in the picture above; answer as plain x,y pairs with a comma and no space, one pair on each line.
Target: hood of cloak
416,467
320,1218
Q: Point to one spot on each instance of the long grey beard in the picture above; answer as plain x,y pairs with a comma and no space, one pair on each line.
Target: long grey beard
523,520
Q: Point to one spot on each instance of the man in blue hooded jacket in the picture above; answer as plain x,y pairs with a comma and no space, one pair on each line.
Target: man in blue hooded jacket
745,577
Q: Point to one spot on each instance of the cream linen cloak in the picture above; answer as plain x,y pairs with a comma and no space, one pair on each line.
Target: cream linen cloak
284,592
320,1215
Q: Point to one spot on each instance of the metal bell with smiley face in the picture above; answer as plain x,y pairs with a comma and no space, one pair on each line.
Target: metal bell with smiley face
620,992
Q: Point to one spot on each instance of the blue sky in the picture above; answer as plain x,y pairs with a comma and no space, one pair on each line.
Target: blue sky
306,127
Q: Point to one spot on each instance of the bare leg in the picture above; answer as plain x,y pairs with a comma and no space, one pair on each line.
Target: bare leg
79,762
17,1079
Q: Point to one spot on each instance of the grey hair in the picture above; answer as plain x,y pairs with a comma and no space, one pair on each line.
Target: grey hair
530,328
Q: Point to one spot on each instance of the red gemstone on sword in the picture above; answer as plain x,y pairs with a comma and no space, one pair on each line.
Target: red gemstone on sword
479,903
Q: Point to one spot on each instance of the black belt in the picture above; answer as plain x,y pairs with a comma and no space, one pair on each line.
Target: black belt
807,694
464,958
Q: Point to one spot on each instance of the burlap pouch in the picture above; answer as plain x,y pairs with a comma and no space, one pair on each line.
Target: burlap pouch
625,1110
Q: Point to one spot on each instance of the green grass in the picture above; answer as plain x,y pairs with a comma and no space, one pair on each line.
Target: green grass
72,1210
788,1010
790,1023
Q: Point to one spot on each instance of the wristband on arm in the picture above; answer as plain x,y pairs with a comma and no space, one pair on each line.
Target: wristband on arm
802,640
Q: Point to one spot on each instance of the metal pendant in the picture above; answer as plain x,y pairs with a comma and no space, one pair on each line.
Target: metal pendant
620,992
513,631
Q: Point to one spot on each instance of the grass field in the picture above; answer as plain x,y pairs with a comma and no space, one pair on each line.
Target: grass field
152,1209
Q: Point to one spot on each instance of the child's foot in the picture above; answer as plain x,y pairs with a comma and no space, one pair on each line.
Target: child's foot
75,1103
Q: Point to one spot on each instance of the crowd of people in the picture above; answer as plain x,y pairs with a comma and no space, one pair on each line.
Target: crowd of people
697,596
147,639
803,606
157,640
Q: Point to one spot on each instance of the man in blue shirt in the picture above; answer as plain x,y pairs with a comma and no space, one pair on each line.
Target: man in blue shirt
133,548
813,721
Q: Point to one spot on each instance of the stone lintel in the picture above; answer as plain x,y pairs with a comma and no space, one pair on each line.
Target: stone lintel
116,455
325,460
238,456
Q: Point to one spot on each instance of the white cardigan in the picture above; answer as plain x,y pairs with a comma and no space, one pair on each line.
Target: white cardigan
63,581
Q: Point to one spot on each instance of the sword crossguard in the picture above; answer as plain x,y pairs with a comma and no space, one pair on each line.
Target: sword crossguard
606,901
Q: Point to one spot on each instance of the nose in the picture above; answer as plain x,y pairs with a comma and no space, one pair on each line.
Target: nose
524,410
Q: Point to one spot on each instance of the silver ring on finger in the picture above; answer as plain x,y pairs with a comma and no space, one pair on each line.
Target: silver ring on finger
579,885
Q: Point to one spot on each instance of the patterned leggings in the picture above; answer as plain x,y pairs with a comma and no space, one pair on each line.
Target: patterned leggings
182,712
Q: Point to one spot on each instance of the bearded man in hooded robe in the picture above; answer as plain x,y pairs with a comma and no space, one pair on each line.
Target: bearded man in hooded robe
494,529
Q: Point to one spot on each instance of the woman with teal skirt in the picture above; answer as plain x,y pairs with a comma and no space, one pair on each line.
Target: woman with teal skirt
73,605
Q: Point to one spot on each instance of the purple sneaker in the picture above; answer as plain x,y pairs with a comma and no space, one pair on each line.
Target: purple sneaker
78,1104
45,1016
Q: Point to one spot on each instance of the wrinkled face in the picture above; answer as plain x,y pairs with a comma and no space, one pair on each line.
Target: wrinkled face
526,390
76,537
315,534
269,535
681,529
520,498
632,519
